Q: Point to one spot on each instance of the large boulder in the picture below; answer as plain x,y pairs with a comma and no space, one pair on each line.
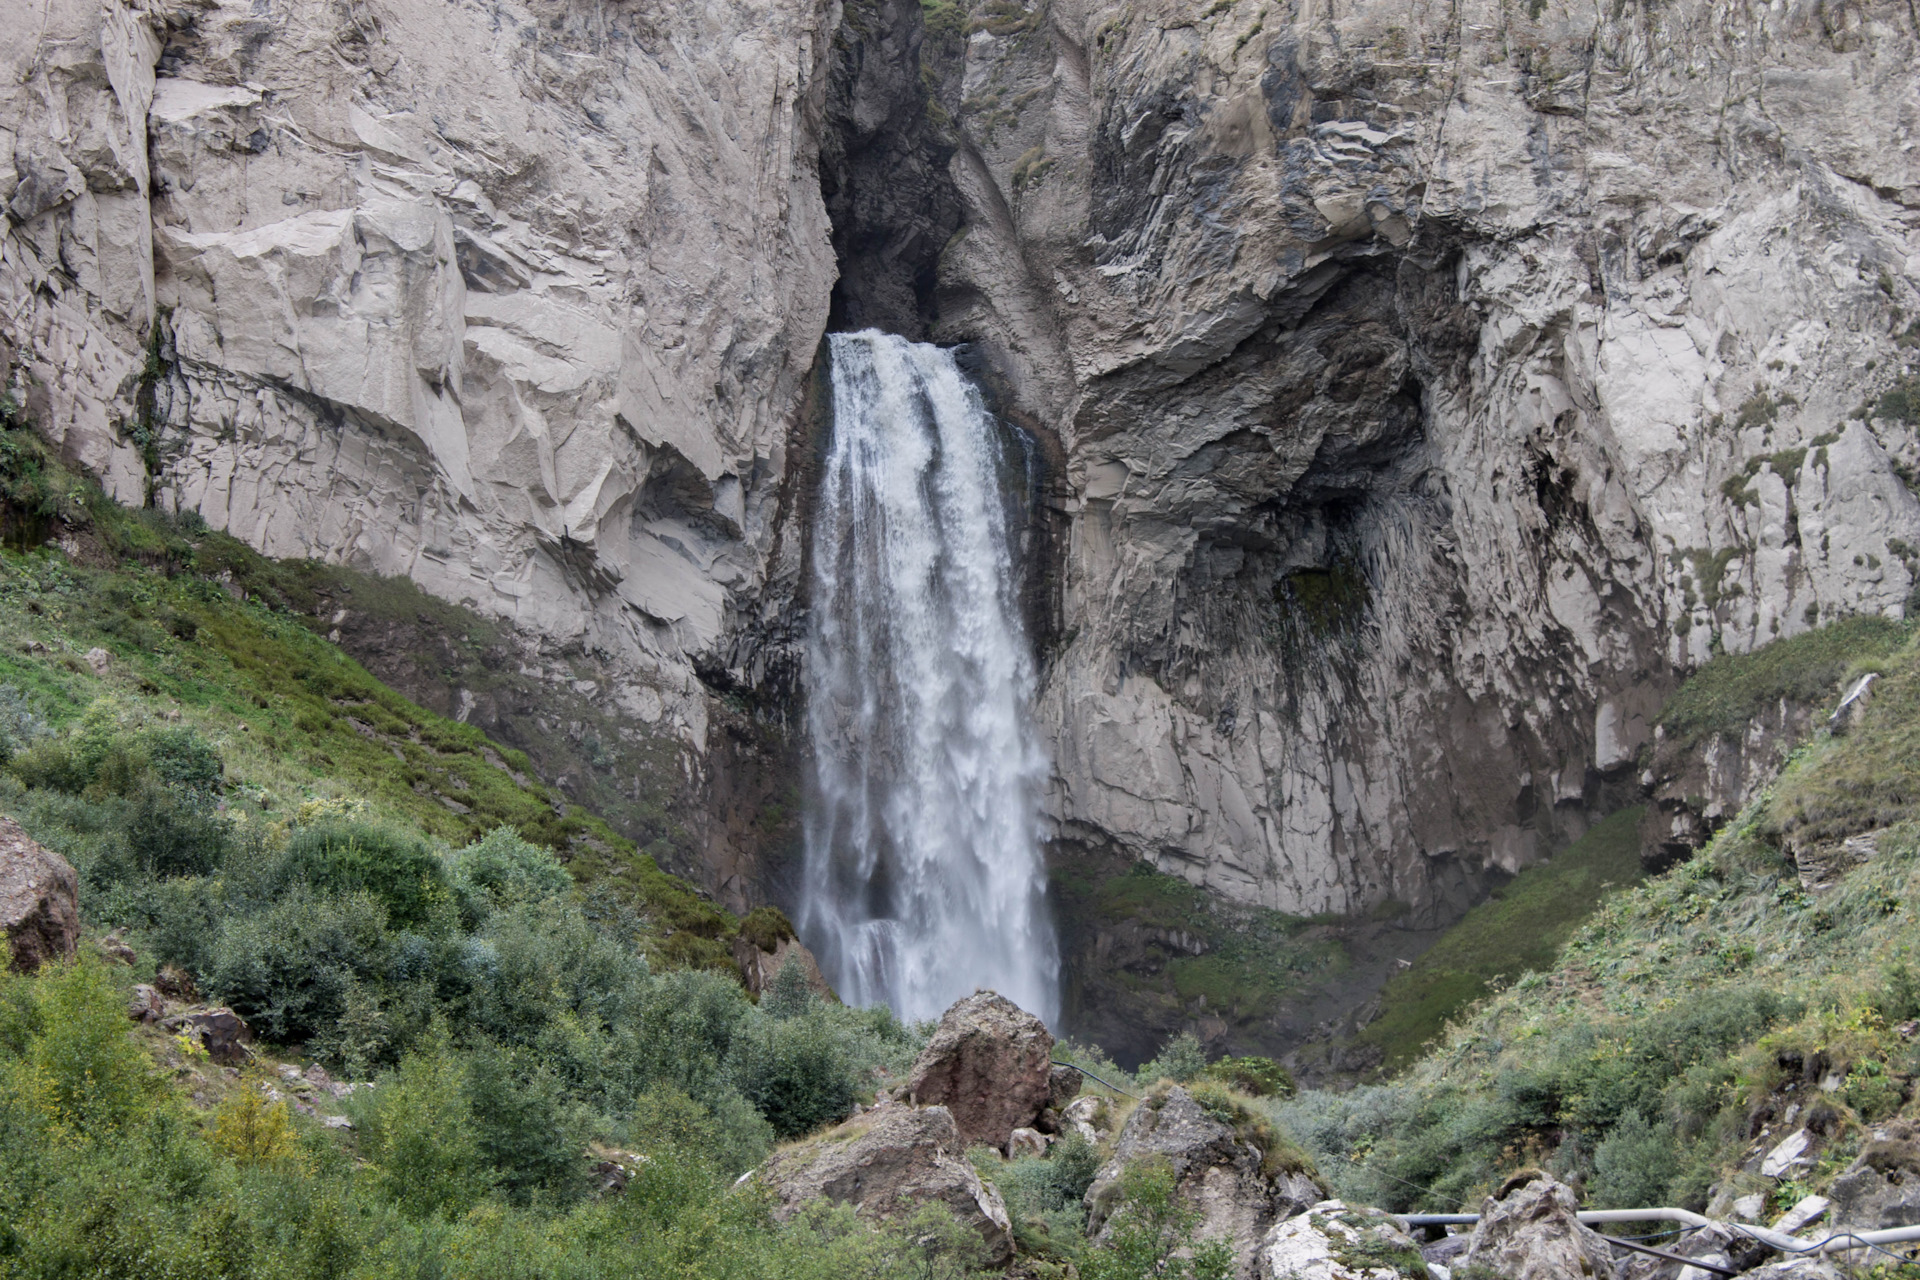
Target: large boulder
39,900
1331,1241
888,1162
1881,1188
990,1063
1530,1231
1240,1176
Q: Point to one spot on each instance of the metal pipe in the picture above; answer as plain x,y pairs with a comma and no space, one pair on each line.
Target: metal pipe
1837,1242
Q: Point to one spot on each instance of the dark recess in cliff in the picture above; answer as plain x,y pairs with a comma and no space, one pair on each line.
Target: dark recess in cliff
883,173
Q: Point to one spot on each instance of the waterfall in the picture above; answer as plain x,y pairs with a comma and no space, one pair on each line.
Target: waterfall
923,877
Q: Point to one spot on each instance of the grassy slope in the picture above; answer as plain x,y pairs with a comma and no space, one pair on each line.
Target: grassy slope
1522,927
1645,1060
201,628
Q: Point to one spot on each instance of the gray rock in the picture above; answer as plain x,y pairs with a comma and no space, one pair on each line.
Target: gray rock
888,1162
39,900
1530,1231
1881,1188
223,1033
1331,1241
1239,1190
990,1064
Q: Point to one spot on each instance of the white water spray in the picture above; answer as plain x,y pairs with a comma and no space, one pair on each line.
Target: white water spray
923,873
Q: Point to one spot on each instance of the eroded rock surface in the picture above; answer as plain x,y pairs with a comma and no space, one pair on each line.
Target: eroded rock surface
1331,1241
1238,1189
39,900
1530,1231
990,1064
891,1161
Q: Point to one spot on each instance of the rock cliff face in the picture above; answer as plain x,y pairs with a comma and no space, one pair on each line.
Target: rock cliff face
1426,385
1434,384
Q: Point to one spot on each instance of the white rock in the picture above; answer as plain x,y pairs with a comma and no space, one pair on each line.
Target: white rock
1786,1155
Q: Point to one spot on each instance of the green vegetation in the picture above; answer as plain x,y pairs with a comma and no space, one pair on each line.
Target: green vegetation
1728,692
1521,928
1153,1233
111,1169
1678,1014
1326,602
1901,401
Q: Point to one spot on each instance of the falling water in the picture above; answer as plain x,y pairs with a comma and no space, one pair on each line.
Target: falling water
923,872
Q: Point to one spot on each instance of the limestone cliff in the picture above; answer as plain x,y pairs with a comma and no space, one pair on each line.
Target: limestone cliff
1426,386
1435,383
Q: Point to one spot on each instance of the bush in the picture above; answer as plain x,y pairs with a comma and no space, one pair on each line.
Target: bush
172,836
287,971
395,867
796,1071
70,1060
1151,1233
767,927
503,870
422,1140
524,1126
1634,1165
1181,1059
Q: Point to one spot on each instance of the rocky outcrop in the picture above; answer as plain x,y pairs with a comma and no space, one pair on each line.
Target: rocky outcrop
1238,1189
1694,788
990,1064
1881,1188
39,900
889,1162
1530,1231
1333,1242
222,1033
759,968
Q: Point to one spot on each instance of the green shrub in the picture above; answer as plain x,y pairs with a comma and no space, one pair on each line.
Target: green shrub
395,867
1255,1076
1634,1165
525,1127
287,970
1151,1233
505,870
766,927
170,835
71,1065
1181,1059
789,995
796,1071
421,1137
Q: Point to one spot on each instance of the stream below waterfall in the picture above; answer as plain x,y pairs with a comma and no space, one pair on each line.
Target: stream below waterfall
923,876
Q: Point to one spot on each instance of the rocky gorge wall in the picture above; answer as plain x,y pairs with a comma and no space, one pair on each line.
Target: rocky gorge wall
1424,386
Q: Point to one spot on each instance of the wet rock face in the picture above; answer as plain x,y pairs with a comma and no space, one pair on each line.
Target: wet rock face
990,1064
891,1161
1427,392
39,900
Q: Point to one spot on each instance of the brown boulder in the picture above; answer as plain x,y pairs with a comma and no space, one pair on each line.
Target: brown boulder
888,1162
990,1063
223,1033
39,900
